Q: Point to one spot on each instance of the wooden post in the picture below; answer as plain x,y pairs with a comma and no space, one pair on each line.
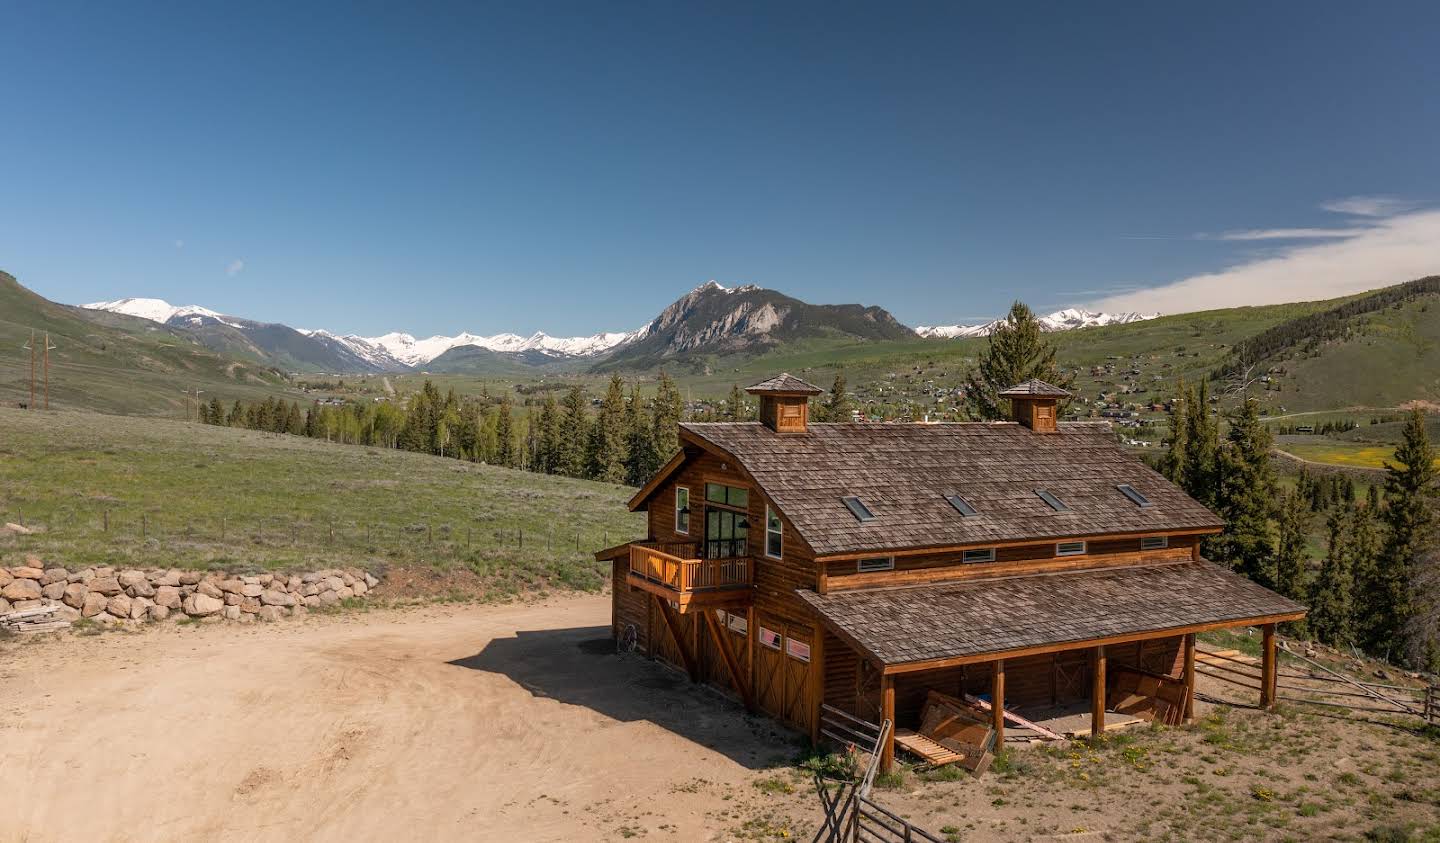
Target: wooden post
1189,677
1268,672
887,712
1097,691
997,702
817,676
107,520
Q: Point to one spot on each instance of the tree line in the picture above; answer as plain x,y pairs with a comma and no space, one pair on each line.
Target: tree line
1377,586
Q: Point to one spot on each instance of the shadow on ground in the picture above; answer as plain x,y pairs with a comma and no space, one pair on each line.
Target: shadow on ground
580,666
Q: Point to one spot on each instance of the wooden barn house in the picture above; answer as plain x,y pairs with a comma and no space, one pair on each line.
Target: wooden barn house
860,566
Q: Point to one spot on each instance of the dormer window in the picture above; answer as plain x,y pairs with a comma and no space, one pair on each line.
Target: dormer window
858,509
1051,501
962,506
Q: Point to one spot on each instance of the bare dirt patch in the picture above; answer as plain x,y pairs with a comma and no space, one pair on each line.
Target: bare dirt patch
434,723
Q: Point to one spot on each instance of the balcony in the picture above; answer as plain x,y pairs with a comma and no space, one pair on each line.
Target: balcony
672,570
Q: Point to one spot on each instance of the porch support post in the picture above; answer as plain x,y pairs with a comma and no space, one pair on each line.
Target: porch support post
1268,672
1097,691
887,712
997,702
1189,677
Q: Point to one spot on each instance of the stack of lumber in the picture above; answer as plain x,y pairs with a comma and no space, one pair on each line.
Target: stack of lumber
28,621
951,732
1149,696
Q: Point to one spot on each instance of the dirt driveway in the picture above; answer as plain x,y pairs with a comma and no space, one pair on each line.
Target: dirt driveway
441,723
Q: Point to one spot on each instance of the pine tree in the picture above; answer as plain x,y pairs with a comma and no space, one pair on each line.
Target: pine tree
1202,446
217,412
505,434
607,436
1018,351
575,434
641,460
1291,560
665,415
237,415
1331,617
1409,517
547,437
1172,464
836,407
735,405
1245,497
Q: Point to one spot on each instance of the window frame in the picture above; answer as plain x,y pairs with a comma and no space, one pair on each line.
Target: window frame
766,632
770,513
857,508
739,507
988,551
685,511
962,506
1164,542
1083,549
1052,500
791,644
1134,495
888,564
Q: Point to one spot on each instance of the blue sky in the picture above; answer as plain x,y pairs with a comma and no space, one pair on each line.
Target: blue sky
572,168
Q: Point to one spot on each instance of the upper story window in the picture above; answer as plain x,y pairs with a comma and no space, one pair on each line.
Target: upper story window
1070,549
682,509
1154,542
774,534
727,495
878,563
979,554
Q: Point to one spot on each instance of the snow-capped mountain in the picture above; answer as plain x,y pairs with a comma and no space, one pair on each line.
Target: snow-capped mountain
412,352
156,310
1061,320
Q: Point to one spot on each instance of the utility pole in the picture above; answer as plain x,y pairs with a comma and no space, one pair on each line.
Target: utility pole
196,392
30,346
48,348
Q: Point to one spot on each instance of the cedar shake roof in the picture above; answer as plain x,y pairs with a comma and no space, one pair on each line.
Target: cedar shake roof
902,473
785,384
1034,388
975,617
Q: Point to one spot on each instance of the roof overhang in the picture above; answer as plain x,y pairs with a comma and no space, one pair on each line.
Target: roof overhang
936,626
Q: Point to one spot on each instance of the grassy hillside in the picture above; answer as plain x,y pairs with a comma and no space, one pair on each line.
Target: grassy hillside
115,363
206,496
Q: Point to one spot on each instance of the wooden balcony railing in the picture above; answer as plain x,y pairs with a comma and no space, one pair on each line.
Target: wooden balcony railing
676,566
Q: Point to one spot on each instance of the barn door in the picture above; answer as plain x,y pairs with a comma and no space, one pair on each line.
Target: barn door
782,671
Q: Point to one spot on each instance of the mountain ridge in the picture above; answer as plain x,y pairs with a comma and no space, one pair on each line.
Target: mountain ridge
1067,319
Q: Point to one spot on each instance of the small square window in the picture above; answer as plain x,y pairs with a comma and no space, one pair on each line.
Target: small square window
774,534
770,638
1070,549
1154,542
798,650
879,563
983,554
735,623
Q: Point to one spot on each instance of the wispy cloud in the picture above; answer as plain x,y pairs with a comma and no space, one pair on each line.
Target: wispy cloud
1398,242
235,267
1371,206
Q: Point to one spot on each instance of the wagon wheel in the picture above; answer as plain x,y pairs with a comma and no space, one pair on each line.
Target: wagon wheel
628,640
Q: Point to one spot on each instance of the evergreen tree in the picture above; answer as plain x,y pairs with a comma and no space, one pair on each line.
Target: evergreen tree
836,407
1245,497
735,405
1018,351
1331,617
1291,560
575,434
505,453
1172,464
665,415
217,412
1202,446
607,436
1409,517
237,415
547,437
641,460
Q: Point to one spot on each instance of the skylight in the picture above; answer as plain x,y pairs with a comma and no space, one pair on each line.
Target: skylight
858,509
1054,502
1134,495
961,505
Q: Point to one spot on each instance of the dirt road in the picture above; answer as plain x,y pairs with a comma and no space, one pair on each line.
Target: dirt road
442,723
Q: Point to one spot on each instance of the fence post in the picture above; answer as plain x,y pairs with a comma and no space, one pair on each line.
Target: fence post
222,528
332,532
577,540
144,526
522,538
107,520
467,536
430,534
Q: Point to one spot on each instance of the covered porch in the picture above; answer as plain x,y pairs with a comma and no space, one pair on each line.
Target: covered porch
1044,656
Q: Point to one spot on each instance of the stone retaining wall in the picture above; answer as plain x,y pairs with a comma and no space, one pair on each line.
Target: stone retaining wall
110,596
